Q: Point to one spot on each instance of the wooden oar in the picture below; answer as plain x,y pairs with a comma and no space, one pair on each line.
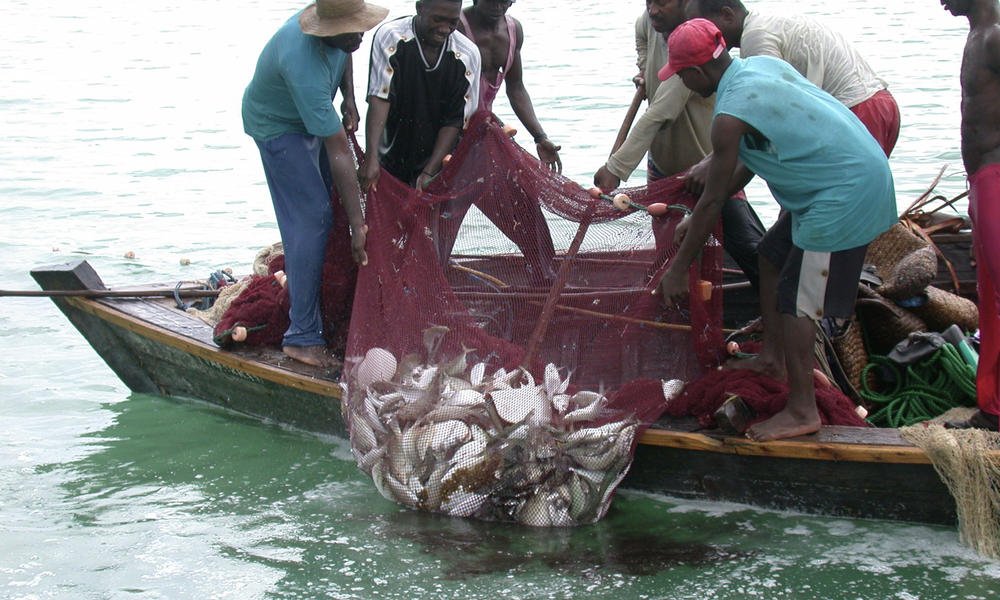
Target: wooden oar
165,293
633,110
553,296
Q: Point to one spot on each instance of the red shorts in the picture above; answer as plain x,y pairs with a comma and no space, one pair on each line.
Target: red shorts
984,208
880,114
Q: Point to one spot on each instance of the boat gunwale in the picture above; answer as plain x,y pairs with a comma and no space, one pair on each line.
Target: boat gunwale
904,453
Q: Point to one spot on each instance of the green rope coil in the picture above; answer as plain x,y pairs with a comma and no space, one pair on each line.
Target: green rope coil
921,391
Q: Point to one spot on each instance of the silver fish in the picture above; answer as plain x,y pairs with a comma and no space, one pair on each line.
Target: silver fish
672,389
463,504
477,373
587,413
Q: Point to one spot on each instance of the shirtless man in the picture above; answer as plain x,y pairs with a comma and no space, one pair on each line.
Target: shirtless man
499,38
981,154
772,122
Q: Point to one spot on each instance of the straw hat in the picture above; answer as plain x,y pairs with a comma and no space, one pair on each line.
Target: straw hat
849,347
327,18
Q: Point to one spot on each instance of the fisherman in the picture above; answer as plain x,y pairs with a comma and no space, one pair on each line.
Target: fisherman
820,54
980,80
499,38
831,179
675,130
423,85
288,111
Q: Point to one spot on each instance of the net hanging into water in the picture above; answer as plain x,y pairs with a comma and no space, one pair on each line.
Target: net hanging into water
503,359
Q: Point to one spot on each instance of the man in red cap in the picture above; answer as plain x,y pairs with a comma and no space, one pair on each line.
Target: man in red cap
287,110
674,130
981,154
772,122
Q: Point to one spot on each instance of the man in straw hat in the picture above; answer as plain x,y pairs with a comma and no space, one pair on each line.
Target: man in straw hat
288,111
980,79
772,122
423,85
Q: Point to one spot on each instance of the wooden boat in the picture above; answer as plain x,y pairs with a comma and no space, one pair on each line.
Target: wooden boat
843,471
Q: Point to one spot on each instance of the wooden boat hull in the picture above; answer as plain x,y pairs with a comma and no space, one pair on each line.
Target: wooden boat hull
844,471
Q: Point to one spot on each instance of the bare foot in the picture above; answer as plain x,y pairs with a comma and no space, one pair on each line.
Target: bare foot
758,364
785,424
310,355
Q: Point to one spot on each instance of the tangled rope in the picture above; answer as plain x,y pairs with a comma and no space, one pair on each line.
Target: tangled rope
920,391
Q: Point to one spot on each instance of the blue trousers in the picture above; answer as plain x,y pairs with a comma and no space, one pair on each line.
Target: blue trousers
298,176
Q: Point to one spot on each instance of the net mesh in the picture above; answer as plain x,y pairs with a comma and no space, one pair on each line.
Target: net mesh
967,461
505,348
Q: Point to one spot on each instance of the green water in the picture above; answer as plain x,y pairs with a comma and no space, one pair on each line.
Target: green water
120,131
172,499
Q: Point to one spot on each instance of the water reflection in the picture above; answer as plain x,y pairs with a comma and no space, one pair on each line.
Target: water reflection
615,546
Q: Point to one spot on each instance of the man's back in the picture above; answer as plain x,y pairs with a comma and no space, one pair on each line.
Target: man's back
822,55
819,161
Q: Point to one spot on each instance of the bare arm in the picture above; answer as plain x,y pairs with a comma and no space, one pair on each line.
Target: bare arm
378,112
520,101
992,43
726,133
665,106
338,152
348,106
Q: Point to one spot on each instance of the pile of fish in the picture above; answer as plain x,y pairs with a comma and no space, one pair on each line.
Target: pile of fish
445,436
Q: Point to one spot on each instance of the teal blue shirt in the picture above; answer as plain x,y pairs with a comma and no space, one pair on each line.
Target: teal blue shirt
293,86
819,161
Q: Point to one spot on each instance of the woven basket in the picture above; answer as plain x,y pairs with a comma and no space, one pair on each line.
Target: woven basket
905,263
910,275
851,352
943,309
884,323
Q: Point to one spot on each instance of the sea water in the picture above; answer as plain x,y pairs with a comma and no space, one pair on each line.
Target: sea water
121,133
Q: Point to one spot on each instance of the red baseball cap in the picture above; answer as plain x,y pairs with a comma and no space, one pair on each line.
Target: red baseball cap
692,44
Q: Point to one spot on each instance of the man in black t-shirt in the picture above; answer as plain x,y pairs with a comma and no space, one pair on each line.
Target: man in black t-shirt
423,85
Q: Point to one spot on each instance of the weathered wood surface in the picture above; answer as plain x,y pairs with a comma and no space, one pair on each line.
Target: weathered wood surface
849,471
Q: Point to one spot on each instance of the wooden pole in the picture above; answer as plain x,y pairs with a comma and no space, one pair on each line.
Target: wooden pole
557,287
633,110
157,293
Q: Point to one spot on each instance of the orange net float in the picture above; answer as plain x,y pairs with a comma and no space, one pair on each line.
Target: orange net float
620,200
704,290
623,202
509,131
657,209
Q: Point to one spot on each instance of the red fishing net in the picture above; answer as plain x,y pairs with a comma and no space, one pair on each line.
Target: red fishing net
261,309
505,347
